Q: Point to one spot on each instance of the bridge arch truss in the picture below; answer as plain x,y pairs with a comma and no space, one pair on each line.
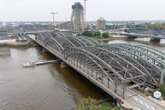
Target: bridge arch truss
151,59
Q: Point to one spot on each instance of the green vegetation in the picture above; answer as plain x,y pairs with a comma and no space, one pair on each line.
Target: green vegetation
96,34
87,33
92,104
105,35
157,26
162,90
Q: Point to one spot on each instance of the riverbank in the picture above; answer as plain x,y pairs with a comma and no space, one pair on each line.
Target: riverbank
14,43
93,104
46,87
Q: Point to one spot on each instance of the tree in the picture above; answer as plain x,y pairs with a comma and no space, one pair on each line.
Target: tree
105,35
92,104
97,33
87,33
162,89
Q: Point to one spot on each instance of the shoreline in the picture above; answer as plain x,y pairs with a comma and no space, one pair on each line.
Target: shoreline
14,43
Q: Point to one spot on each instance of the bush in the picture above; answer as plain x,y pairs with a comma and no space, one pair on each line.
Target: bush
87,33
162,90
157,26
105,35
92,104
79,34
97,33
87,104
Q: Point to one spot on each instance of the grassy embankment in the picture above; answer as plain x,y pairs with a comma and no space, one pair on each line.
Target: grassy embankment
92,104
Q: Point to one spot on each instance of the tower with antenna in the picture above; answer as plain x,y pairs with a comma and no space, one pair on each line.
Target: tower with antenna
53,16
77,17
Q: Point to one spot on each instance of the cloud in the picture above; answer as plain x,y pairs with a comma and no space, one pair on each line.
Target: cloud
39,10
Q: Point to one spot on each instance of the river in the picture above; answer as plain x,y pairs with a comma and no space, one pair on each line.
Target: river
46,87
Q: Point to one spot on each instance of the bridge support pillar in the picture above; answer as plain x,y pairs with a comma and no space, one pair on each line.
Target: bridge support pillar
156,40
131,37
162,77
43,50
124,92
63,65
119,103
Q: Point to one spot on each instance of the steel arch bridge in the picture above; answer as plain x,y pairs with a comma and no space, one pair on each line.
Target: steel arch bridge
58,41
113,67
117,69
151,59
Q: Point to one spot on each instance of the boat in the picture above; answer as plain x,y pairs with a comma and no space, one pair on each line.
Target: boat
29,64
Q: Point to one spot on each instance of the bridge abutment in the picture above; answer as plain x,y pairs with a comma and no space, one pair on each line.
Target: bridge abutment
131,37
155,40
63,65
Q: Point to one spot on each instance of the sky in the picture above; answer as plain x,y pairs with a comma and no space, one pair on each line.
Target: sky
112,10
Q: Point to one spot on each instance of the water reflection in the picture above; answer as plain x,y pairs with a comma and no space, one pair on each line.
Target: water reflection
76,85
47,87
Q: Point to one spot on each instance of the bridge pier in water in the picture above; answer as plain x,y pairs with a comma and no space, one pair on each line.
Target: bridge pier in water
63,65
131,37
43,50
155,40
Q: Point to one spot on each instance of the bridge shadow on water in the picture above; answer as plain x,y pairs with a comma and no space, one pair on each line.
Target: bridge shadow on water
77,86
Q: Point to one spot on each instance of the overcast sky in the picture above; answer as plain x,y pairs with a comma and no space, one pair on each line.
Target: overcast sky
39,10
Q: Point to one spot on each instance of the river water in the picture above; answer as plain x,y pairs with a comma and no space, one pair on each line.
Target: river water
47,87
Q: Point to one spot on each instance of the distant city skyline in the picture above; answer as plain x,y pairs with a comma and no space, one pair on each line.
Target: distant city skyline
115,10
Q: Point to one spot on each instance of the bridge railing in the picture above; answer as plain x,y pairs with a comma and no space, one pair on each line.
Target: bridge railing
146,57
